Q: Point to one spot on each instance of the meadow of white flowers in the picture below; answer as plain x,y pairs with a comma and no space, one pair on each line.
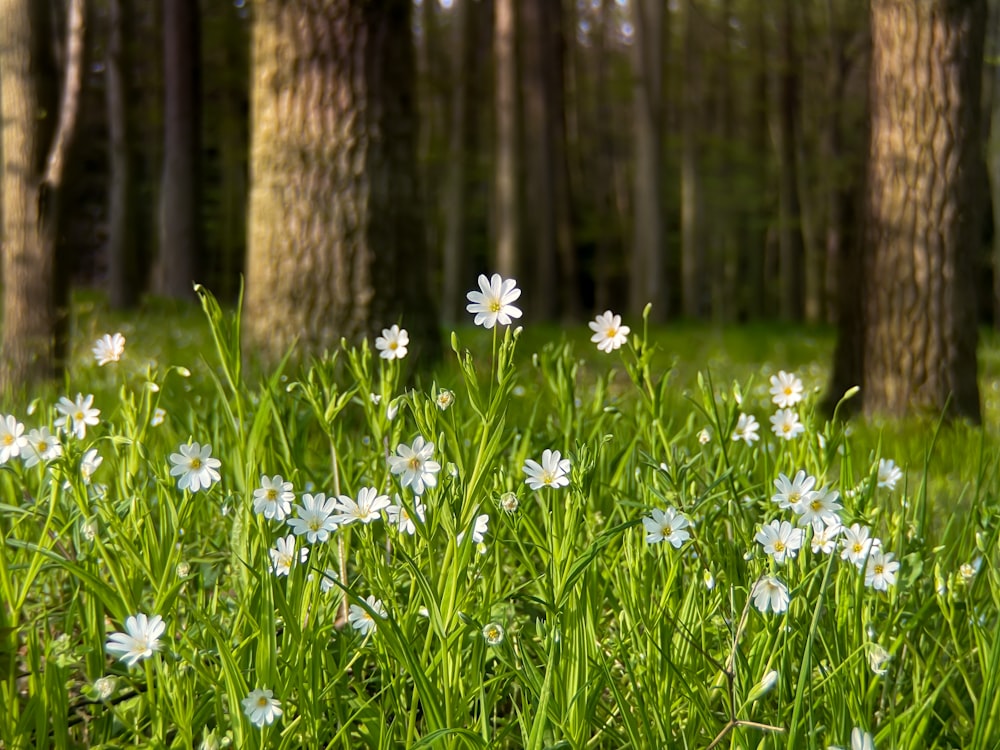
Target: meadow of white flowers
542,556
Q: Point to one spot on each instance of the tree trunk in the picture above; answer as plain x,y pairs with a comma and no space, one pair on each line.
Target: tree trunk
790,247
647,282
993,154
693,291
922,227
336,240
507,195
607,265
179,211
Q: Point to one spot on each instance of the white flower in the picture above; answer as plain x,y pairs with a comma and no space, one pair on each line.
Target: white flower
770,593
360,618
105,687
968,570
109,348
609,333
315,518
368,508
195,467
415,466
786,389
786,425
261,707
888,473
493,634
140,639
273,499
552,472
779,540
880,573
376,398
861,740
328,581
89,463
494,302
479,529
444,399
12,439
878,659
793,492
704,435
392,343
42,446
75,416
857,544
746,429
283,555
821,506
159,415
824,538
666,526
400,517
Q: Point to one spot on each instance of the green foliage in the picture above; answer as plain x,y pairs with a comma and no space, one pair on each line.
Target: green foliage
596,637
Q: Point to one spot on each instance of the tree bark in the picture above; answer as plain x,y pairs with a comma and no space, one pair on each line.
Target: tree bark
790,247
693,289
336,239
507,194
922,227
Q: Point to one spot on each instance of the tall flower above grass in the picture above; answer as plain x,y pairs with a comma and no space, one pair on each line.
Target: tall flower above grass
786,425
609,333
857,544
553,471
746,429
392,343
786,389
888,473
283,555
494,302
360,618
109,348
12,439
74,416
414,466
273,499
140,639
194,467
315,518
793,492
821,506
42,446
770,594
779,540
667,526
880,573
261,707
368,507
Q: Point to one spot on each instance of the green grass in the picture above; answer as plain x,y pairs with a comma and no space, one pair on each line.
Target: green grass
608,641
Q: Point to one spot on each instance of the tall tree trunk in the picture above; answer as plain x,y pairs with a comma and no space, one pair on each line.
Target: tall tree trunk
336,240
179,211
607,227
790,247
993,153
922,227
693,290
647,281
507,195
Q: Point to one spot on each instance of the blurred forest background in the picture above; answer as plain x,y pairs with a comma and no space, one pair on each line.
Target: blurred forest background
709,156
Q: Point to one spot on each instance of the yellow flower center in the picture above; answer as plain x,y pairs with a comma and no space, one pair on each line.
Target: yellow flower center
779,546
393,345
414,464
857,548
8,439
315,524
263,702
786,427
788,390
272,495
794,497
666,530
195,463
816,505
79,417
495,306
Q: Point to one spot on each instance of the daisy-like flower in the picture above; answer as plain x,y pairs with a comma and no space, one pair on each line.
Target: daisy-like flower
824,538
444,399
770,593
414,465
880,573
194,467
493,634
315,517
75,416
786,425
553,471
479,529
89,463
858,544
667,526
399,516
786,389
821,506
109,348
746,429
888,473
779,539
42,446
360,618
861,740
795,491
140,639
328,581
261,707
368,508
609,333
159,417
283,555
494,302
12,439
273,499
392,343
